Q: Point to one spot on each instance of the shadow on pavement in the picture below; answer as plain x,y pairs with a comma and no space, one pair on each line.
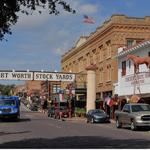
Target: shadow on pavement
24,119
141,129
77,142
6,133
13,120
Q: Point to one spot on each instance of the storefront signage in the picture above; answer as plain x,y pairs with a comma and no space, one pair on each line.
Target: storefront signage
43,76
141,78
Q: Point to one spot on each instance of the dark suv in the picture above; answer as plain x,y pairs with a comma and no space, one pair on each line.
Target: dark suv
61,112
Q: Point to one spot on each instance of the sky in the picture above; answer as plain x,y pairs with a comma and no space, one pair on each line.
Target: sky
39,40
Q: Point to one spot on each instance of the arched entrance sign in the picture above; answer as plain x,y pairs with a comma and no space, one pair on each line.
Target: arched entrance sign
37,76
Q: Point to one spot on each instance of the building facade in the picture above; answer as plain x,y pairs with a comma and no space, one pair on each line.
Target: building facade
101,47
33,87
130,82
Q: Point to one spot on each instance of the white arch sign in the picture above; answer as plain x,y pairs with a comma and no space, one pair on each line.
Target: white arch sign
33,75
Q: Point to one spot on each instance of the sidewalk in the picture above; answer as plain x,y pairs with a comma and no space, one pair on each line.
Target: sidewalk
76,119
82,119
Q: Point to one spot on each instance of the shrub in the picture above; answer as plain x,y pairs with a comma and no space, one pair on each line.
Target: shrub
80,112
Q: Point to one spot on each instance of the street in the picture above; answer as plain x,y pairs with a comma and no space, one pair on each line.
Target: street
36,130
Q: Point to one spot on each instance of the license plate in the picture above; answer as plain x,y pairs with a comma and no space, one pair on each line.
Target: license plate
6,110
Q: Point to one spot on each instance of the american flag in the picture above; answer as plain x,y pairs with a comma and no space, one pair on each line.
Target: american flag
88,19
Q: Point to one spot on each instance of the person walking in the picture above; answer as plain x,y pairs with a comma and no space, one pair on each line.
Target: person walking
45,106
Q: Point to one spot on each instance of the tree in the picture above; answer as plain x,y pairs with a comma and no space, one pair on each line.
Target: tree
9,9
6,89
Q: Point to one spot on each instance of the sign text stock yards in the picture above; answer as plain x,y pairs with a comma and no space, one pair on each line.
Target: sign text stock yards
43,76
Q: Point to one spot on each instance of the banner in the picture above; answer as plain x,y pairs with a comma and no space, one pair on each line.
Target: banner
16,76
40,76
54,76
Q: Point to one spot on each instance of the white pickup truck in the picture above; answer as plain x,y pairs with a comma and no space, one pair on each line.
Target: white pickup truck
135,115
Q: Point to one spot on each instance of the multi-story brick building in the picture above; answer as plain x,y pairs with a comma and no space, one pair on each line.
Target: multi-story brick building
33,87
101,46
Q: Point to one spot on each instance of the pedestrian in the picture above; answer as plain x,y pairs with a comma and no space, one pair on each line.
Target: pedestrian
42,104
45,106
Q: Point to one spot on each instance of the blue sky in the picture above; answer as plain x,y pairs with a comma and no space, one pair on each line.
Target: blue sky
38,41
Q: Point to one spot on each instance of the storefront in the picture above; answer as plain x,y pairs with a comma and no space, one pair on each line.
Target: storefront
134,81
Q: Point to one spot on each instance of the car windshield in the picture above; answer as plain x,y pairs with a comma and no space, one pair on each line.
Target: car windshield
137,108
7,103
98,111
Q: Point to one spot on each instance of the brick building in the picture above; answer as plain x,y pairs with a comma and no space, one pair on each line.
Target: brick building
33,87
101,47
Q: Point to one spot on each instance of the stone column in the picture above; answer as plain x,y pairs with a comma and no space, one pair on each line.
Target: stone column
91,87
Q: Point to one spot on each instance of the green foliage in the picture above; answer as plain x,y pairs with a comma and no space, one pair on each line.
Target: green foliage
6,89
9,9
80,112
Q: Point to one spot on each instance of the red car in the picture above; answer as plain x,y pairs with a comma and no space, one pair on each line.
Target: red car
61,112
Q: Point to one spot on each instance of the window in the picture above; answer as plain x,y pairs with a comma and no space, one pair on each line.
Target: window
74,66
101,53
94,56
80,60
84,63
56,88
88,59
108,72
126,108
101,75
91,58
131,42
137,108
129,64
123,68
108,53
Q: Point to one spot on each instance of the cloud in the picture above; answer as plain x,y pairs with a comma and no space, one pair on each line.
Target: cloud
31,21
85,8
47,37
61,50
88,9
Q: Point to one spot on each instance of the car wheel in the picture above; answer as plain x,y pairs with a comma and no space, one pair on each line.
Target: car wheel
118,124
17,118
133,127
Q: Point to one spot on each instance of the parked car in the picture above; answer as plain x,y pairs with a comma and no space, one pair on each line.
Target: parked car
61,112
135,115
97,115
51,111
10,107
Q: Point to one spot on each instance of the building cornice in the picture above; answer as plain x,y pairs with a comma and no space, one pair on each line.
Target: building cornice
116,21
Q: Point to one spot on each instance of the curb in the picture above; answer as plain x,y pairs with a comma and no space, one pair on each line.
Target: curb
82,119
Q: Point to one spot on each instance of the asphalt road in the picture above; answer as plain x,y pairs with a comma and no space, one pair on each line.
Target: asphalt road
36,130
